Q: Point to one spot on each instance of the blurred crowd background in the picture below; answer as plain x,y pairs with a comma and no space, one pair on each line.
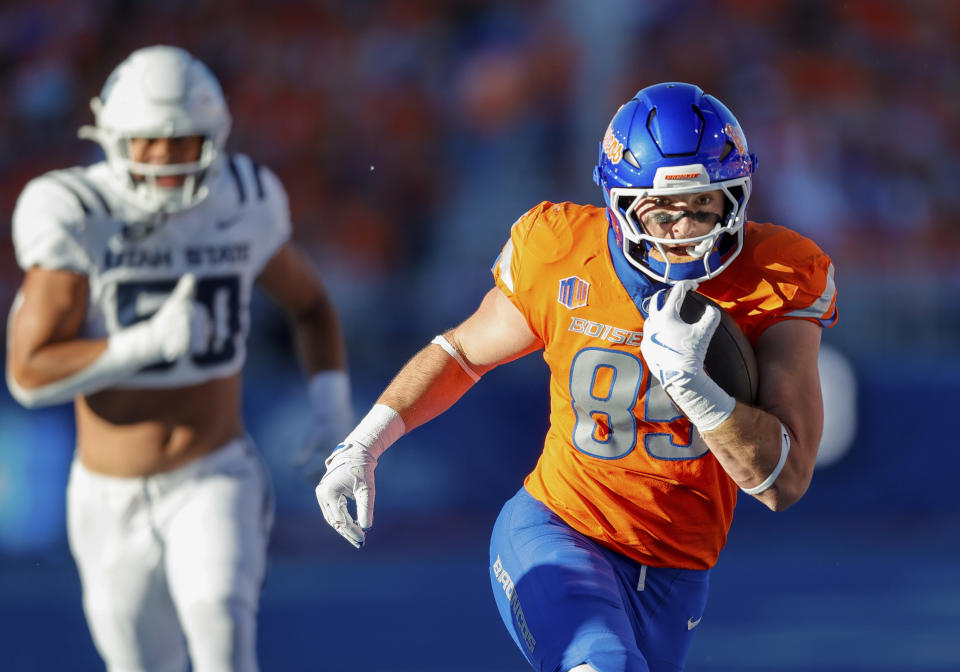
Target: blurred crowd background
410,134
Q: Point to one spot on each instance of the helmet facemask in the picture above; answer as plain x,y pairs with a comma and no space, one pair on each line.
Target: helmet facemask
139,180
712,252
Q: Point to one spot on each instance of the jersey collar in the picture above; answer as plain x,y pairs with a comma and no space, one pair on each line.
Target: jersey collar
638,285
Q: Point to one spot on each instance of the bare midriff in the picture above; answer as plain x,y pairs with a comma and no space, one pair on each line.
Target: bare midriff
139,432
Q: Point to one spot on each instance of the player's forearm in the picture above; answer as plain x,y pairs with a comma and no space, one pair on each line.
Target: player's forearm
319,339
749,445
53,362
426,386
59,373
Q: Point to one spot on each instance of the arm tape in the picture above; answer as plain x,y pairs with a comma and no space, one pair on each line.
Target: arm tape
784,451
704,402
442,341
378,430
330,389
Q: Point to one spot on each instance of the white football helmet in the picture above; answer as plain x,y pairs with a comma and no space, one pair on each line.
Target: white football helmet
160,92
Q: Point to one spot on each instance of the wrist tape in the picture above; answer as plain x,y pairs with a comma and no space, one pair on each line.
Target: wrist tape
330,390
703,401
378,430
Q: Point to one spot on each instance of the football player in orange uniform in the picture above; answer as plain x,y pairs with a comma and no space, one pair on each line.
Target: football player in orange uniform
601,561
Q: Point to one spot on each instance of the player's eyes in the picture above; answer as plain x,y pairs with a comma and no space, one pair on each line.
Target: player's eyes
662,218
181,142
706,217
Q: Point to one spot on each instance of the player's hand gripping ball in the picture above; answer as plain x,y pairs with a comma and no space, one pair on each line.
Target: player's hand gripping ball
730,360
688,338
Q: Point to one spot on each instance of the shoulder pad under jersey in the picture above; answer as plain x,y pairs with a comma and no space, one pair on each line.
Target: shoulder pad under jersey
253,185
51,216
543,235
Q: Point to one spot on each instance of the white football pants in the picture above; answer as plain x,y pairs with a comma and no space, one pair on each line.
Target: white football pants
174,561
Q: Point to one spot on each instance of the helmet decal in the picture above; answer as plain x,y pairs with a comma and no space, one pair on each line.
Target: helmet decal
735,133
612,147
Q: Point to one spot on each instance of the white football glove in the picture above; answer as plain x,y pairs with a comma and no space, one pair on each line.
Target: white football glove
349,475
180,326
674,351
329,393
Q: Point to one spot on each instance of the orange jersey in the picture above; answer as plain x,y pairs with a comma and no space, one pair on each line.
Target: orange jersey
620,463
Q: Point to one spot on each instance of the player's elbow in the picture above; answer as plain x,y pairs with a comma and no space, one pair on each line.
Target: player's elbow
777,500
787,490
21,373
23,394
317,315
25,386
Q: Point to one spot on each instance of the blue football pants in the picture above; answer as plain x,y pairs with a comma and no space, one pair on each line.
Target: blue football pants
566,600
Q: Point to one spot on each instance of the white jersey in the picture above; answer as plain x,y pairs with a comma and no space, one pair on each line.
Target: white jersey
77,220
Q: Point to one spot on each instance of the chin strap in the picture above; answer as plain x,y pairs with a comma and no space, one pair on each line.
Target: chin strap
705,245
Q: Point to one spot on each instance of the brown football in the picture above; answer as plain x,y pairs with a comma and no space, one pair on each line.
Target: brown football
730,360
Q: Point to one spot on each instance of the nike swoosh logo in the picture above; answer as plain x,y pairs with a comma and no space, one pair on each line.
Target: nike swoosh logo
663,345
225,224
691,623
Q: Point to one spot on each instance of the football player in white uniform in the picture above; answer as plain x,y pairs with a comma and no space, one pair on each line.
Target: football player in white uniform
135,305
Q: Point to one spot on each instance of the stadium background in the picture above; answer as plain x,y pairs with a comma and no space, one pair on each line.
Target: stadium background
410,134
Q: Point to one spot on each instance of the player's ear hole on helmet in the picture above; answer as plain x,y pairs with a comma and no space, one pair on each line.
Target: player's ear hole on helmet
630,158
725,152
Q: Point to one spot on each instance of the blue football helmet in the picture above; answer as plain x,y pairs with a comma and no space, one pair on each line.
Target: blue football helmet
671,139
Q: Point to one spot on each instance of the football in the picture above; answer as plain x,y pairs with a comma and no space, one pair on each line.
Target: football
730,360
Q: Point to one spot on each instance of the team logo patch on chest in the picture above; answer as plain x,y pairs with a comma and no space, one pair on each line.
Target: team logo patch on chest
573,292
